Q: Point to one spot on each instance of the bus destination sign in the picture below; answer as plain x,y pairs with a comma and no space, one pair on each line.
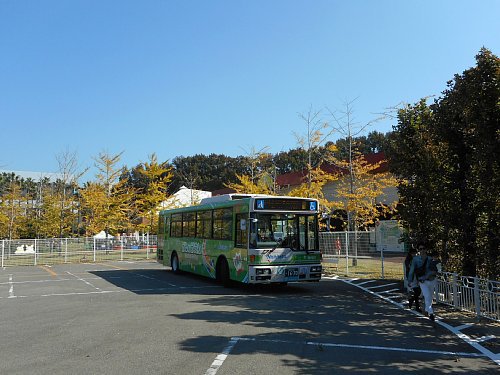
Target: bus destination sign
285,204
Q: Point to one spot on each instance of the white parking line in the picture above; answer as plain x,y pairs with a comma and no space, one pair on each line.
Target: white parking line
365,282
11,288
219,360
389,291
381,286
85,281
118,290
463,326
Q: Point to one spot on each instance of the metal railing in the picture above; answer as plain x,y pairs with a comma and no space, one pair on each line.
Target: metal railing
24,252
467,293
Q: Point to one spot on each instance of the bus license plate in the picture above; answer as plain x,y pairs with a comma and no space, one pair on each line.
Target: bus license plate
292,273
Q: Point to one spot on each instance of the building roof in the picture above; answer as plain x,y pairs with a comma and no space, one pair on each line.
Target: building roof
223,191
185,197
296,178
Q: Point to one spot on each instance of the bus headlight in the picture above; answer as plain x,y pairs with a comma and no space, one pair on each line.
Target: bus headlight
316,269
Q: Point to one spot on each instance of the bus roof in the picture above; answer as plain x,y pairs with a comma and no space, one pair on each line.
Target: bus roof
229,197
229,200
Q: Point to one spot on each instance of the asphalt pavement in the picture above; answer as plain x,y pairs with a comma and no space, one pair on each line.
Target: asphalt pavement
138,317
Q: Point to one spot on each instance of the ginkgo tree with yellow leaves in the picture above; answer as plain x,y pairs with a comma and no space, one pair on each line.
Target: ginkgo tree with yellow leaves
157,177
105,203
357,191
259,179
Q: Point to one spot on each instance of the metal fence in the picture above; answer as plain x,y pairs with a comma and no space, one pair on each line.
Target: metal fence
25,252
356,254
467,293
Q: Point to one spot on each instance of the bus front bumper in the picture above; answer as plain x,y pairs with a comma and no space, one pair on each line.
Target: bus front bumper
265,274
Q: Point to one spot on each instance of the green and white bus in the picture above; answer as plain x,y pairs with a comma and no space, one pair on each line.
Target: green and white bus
246,238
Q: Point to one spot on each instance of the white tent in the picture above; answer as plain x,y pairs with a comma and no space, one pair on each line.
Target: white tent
102,234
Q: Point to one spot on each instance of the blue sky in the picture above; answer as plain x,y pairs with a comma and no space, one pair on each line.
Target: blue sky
188,77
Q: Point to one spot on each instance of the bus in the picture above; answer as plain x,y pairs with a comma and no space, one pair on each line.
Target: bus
252,239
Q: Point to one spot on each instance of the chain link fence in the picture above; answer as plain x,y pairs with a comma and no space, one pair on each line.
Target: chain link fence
356,254
24,252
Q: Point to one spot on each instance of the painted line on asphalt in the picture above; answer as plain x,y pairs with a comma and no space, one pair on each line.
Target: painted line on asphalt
463,326
47,281
493,356
52,273
11,287
368,347
365,282
112,266
388,291
219,360
382,286
119,290
85,281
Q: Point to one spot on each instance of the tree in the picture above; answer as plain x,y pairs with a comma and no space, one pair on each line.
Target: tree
261,177
65,187
107,202
467,120
11,216
312,147
293,160
447,159
357,193
213,171
312,140
158,176
346,125
312,187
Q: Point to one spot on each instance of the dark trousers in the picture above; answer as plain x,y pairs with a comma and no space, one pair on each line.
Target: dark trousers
414,297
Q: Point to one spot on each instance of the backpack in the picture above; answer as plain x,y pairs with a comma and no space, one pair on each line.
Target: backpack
420,271
434,265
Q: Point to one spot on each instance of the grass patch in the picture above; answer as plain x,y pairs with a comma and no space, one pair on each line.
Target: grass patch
369,268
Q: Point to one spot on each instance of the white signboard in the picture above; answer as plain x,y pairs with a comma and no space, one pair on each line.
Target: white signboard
387,236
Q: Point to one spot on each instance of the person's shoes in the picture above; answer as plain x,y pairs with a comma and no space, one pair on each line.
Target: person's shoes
431,317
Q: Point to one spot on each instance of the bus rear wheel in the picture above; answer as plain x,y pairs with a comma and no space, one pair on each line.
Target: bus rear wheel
174,263
223,272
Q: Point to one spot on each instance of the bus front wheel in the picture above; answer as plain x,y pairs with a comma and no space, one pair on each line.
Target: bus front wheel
174,263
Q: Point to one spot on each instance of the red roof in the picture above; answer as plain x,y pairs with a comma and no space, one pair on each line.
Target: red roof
223,191
296,178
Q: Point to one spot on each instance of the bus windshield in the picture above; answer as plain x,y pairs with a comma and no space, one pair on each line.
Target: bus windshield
294,231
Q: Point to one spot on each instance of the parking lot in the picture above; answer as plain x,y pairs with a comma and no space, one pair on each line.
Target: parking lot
138,317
